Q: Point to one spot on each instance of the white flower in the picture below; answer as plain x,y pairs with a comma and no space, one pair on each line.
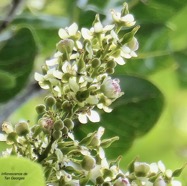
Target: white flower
69,32
47,79
111,88
2,137
176,183
92,115
127,20
7,127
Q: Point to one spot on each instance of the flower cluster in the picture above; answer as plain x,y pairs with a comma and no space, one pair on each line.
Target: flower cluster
79,72
79,80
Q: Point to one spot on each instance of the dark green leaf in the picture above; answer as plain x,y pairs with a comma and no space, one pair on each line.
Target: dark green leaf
7,80
133,116
17,58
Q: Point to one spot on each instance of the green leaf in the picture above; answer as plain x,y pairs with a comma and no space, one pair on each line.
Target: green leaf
180,59
7,80
17,58
178,30
20,171
133,116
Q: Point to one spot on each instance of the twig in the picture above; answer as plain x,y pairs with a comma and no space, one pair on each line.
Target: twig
11,13
7,109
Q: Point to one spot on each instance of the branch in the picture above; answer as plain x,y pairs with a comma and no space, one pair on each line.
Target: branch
11,13
7,109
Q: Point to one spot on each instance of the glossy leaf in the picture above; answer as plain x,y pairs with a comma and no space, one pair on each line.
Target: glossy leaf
17,58
181,61
7,80
20,171
133,116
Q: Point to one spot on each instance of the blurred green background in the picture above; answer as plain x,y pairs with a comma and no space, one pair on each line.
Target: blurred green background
162,60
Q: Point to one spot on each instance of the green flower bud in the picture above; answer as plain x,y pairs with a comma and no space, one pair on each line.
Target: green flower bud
22,128
65,130
111,64
44,69
82,95
107,184
110,70
65,45
96,62
95,142
107,173
58,125
81,65
99,180
50,101
88,163
40,109
66,105
107,142
57,134
69,123
12,138
141,169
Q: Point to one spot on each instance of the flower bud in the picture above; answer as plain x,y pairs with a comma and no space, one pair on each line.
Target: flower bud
95,142
40,109
46,123
65,45
141,169
12,137
99,180
111,64
22,128
80,65
50,101
107,173
7,127
107,184
66,105
96,62
82,95
65,130
57,134
88,163
110,70
69,123
111,88
107,142
58,125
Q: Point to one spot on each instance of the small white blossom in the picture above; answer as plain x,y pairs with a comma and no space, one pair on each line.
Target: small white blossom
127,20
92,115
69,32
111,88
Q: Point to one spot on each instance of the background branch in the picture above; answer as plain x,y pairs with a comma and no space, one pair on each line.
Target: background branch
7,109
15,5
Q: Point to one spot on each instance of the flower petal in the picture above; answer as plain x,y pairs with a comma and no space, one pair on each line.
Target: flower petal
63,33
82,118
93,116
38,77
72,30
